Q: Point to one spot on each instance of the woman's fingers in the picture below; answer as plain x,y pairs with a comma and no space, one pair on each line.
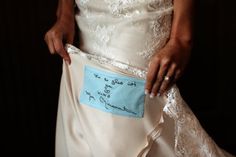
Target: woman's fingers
177,74
160,76
168,80
172,60
59,48
70,38
151,75
49,44
55,45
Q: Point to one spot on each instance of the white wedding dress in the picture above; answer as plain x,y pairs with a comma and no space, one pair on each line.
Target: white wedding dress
117,39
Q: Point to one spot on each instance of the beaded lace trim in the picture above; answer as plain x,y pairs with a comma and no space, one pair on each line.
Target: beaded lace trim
141,73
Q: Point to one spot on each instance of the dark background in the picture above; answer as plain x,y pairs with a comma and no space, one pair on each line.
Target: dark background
30,76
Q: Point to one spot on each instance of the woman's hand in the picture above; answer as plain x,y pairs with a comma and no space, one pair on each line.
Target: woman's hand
63,30
166,66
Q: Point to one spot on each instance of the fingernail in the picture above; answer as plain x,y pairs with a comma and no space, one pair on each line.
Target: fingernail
146,92
158,94
152,95
67,62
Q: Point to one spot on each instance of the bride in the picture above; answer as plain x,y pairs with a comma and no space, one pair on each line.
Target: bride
118,96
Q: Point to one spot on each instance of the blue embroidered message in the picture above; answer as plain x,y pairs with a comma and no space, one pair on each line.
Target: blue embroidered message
113,93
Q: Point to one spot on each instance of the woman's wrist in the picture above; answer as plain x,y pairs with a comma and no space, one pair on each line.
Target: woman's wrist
66,16
184,43
65,10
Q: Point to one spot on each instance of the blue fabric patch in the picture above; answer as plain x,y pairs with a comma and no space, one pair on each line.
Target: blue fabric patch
113,93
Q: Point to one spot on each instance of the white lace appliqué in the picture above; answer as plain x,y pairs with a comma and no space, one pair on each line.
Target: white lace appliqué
83,2
160,31
121,7
102,34
190,138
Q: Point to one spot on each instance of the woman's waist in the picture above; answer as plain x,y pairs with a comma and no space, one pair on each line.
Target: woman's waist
138,38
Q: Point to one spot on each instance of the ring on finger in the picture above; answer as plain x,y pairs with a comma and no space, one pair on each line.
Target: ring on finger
166,78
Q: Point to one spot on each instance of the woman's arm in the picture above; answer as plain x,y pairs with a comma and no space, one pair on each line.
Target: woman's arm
171,60
62,30
182,22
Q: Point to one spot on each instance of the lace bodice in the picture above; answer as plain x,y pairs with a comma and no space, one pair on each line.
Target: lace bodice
120,29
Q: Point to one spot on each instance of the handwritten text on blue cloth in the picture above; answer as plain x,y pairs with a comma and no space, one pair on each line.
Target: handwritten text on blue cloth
113,93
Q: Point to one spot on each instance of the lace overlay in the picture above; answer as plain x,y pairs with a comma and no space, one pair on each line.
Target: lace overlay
83,2
102,34
126,8
156,15
121,8
159,27
188,128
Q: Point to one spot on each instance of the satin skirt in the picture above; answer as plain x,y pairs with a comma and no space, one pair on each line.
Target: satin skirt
167,127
